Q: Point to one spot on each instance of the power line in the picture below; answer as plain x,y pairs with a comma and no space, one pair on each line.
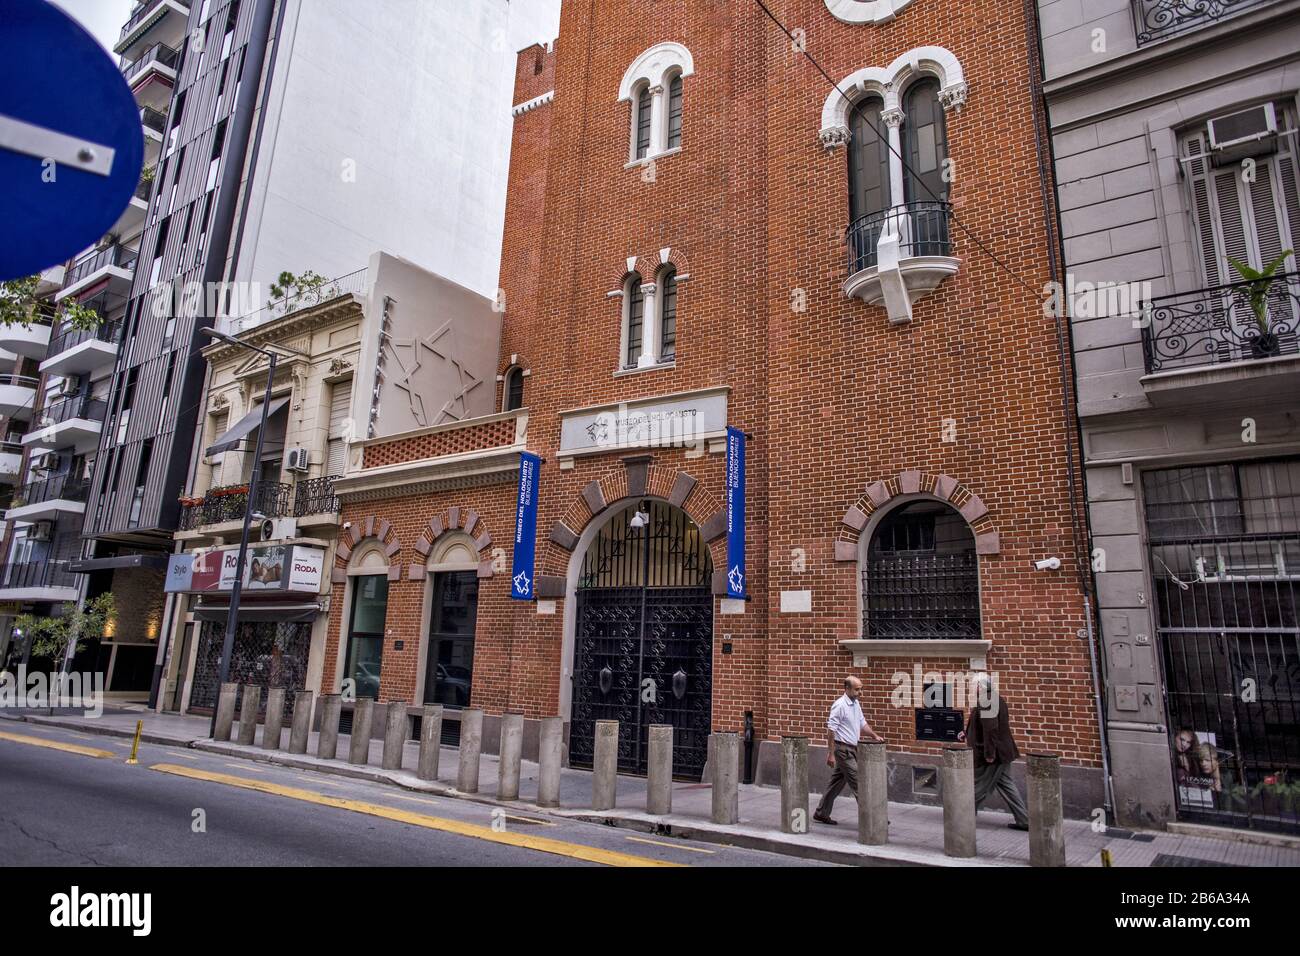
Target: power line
801,47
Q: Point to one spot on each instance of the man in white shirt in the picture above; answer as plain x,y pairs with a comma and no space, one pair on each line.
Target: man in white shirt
843,731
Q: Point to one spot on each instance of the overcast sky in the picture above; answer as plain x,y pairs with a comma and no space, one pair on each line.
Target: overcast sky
103,18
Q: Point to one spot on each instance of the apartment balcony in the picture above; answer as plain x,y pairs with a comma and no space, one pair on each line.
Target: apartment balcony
11,462
153,21
114,267
314,501
153,75
46,500
154,125
18,396
71,423
899,256
83,351
51,280
131,221
38,581
1209,345
226,505
1160,19
30,341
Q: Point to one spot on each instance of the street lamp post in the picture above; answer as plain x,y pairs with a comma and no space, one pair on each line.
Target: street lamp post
237,589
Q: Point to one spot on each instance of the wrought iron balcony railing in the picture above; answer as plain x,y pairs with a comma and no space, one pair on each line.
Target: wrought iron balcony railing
112,256
38,574
159,53
921,227
63,487
70,338
227,503
1220,324
315,497
1159,19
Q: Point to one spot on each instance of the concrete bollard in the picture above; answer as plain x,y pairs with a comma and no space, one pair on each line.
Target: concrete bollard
471,745
873,794
225,711
331,709
363,715
550,754
509,753
274,722
659,782
957,781
248,705
430,742
395,734
1046,823
604,766
300,730
726,778
794,784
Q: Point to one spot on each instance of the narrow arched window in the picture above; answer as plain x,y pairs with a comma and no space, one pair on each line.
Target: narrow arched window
921,579
514,389
634,313
641,119
869,190
675,112
926,143
668,316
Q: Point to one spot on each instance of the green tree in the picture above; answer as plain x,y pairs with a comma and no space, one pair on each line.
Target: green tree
20,305
50,636
289,285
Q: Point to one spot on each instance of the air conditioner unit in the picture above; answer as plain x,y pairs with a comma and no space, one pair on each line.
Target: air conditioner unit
46,461
279,529
67,386
298,459
41,531
1236,136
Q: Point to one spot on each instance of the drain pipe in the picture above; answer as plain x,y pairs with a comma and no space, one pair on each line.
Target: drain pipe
1064,340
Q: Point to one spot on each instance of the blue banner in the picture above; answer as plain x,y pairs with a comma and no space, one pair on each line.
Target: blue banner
521,588
735,512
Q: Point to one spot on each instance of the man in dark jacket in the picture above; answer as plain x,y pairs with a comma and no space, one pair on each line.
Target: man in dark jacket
995,750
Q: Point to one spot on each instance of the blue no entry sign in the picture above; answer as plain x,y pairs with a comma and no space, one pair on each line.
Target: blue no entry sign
71,143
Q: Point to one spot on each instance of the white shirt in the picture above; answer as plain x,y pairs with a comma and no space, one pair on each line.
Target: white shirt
846,721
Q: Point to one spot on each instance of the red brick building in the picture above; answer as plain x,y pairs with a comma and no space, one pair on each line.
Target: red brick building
702,228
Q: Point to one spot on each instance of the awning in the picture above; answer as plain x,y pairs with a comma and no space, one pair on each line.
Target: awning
87,565
245,427
258,611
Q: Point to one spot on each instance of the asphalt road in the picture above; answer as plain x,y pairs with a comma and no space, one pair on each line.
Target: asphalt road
62,808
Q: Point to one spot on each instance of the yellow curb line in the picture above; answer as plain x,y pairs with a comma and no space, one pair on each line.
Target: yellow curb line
541,844
57,745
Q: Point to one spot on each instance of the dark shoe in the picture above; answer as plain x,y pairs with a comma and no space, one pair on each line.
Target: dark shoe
1017,826
827,820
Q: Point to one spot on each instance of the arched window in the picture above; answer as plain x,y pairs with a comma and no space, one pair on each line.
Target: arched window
642,102
921,576
675,112
869,189
926,143
668,315
513,390
633,319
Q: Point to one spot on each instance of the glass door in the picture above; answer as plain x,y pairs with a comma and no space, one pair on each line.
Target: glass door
449,667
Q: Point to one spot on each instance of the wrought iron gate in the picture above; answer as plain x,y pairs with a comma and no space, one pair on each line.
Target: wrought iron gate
1225,555
643,648
265,653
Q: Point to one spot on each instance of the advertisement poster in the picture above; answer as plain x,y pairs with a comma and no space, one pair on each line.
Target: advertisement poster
266,568
1196,768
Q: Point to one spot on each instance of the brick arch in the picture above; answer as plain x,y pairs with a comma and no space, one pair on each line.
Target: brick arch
454,519
637,478
881,494
370,528
647,265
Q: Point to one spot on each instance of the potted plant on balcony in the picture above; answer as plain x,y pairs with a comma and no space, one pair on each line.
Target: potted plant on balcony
1259,283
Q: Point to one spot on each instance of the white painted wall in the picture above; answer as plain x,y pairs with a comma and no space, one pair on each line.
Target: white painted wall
416,93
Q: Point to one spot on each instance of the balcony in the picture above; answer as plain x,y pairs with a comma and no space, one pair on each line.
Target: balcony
899,256
83,351
11,462
227,504
1160,19
114,266
30,341
153,75
38,581
154,125
131,220
153,21
1208,344
71,423
18,396
46,500
354,283
51,280
316,497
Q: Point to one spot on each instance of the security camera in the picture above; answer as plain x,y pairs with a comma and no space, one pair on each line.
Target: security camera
1048,564
347,526
639,520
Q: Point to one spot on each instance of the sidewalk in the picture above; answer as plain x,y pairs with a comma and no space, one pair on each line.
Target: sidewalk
915,832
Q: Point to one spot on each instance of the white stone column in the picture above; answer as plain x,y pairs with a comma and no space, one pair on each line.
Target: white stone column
658,122
898,224
649,326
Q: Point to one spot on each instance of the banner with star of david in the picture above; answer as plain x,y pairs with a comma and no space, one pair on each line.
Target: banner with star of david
521,578
735,512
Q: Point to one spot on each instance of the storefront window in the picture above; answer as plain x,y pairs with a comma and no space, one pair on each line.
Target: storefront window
453,614
366,633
